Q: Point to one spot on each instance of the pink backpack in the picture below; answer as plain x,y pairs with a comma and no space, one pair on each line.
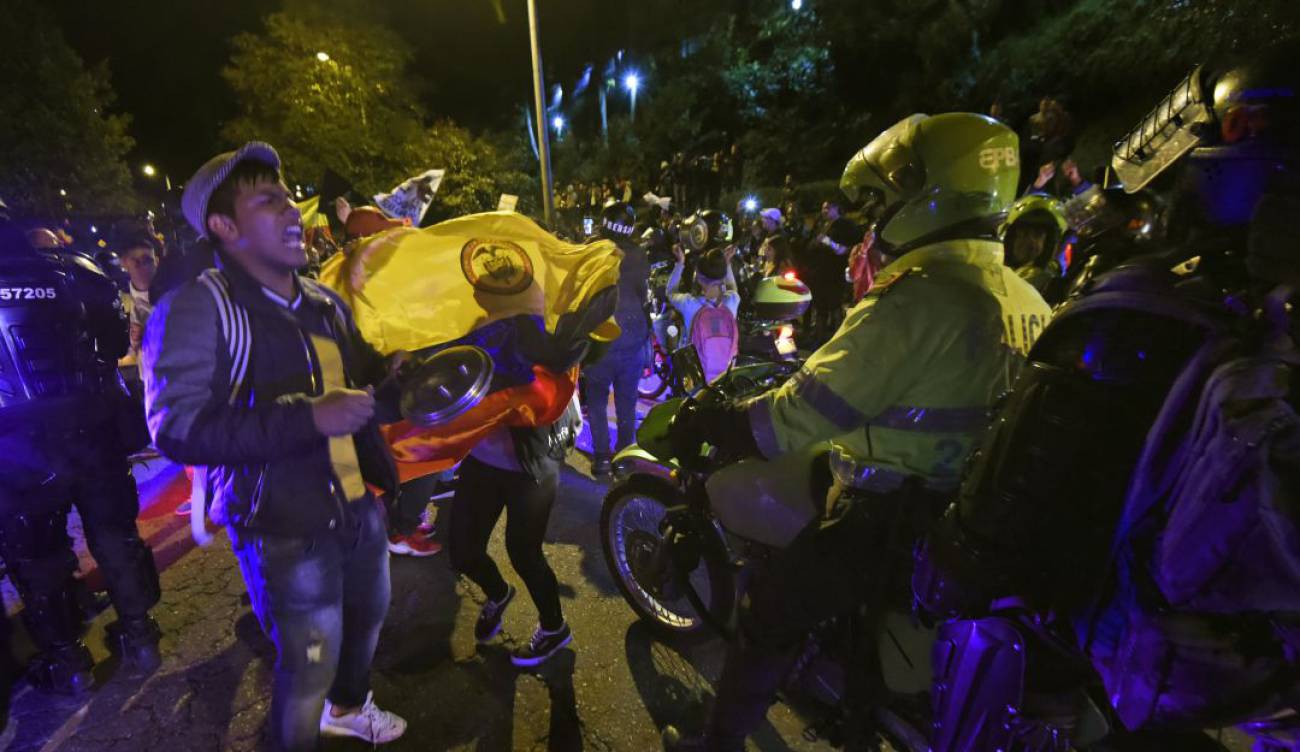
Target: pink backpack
716,339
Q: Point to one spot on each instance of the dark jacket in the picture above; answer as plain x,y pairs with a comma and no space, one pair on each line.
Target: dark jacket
631,313
269,466
180,265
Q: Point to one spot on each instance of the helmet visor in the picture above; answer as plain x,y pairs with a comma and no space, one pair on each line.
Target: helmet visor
887,167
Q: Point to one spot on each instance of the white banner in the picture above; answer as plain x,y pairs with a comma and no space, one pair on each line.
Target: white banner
412,198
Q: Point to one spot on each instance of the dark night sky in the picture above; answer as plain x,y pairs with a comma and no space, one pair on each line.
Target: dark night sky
165,57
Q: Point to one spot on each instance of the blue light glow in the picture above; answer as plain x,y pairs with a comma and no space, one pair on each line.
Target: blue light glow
796,4
633,82
751,204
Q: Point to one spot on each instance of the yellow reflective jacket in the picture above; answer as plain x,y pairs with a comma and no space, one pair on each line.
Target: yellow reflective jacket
907,382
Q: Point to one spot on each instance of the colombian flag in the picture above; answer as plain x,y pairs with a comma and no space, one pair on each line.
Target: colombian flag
495,280
314,222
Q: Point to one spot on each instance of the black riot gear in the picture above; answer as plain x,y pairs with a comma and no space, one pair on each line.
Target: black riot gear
62,441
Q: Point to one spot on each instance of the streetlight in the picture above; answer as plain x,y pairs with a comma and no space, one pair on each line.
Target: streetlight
63,192
323,57
796,4
557,123
633,83
152,172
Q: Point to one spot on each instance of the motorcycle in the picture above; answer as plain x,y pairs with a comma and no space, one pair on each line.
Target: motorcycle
679,534
768,306
664,330
679,553
766,316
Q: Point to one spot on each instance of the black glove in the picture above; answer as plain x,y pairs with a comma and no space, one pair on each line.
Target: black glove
724,425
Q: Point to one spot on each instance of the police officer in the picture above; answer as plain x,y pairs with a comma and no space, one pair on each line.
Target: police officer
1032,237
620,368
1037,516
64,438
899,391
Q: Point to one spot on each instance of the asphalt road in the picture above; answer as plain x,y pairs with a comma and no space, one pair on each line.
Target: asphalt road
613,690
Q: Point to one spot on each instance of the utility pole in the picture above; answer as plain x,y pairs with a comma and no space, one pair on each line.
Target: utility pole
539,97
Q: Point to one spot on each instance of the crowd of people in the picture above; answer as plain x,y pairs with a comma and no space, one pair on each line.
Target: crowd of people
690,182
933,281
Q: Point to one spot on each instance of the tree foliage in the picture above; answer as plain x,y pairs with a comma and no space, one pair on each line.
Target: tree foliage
782,73
356,112
58,132
807,88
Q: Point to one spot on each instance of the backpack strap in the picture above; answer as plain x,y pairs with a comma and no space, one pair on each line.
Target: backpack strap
238,336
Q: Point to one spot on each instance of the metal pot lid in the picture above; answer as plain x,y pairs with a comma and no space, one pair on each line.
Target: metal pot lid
446,385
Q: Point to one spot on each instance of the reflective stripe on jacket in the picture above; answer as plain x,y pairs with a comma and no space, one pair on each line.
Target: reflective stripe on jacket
907,382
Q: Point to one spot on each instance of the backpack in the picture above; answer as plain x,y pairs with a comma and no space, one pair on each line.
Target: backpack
716,339
1200,625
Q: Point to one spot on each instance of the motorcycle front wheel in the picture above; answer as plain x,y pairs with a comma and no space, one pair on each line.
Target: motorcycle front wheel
632,527
654,378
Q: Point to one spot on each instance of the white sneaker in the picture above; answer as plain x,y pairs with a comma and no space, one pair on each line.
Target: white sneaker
369,723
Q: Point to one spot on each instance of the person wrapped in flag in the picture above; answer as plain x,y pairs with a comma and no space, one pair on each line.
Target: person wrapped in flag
496,282
498,313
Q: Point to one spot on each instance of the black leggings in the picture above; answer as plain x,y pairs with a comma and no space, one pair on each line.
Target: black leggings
482,492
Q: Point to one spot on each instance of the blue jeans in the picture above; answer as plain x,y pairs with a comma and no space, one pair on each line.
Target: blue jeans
322,601
620,369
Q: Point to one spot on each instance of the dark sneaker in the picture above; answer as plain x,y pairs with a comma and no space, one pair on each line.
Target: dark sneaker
489,619
601,467
542,646
62,671
135,641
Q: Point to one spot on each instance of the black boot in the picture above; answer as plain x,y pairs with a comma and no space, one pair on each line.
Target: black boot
601,466
135,641
63,670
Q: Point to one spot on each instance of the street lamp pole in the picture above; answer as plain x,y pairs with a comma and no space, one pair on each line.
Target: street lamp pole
539,96
633,83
